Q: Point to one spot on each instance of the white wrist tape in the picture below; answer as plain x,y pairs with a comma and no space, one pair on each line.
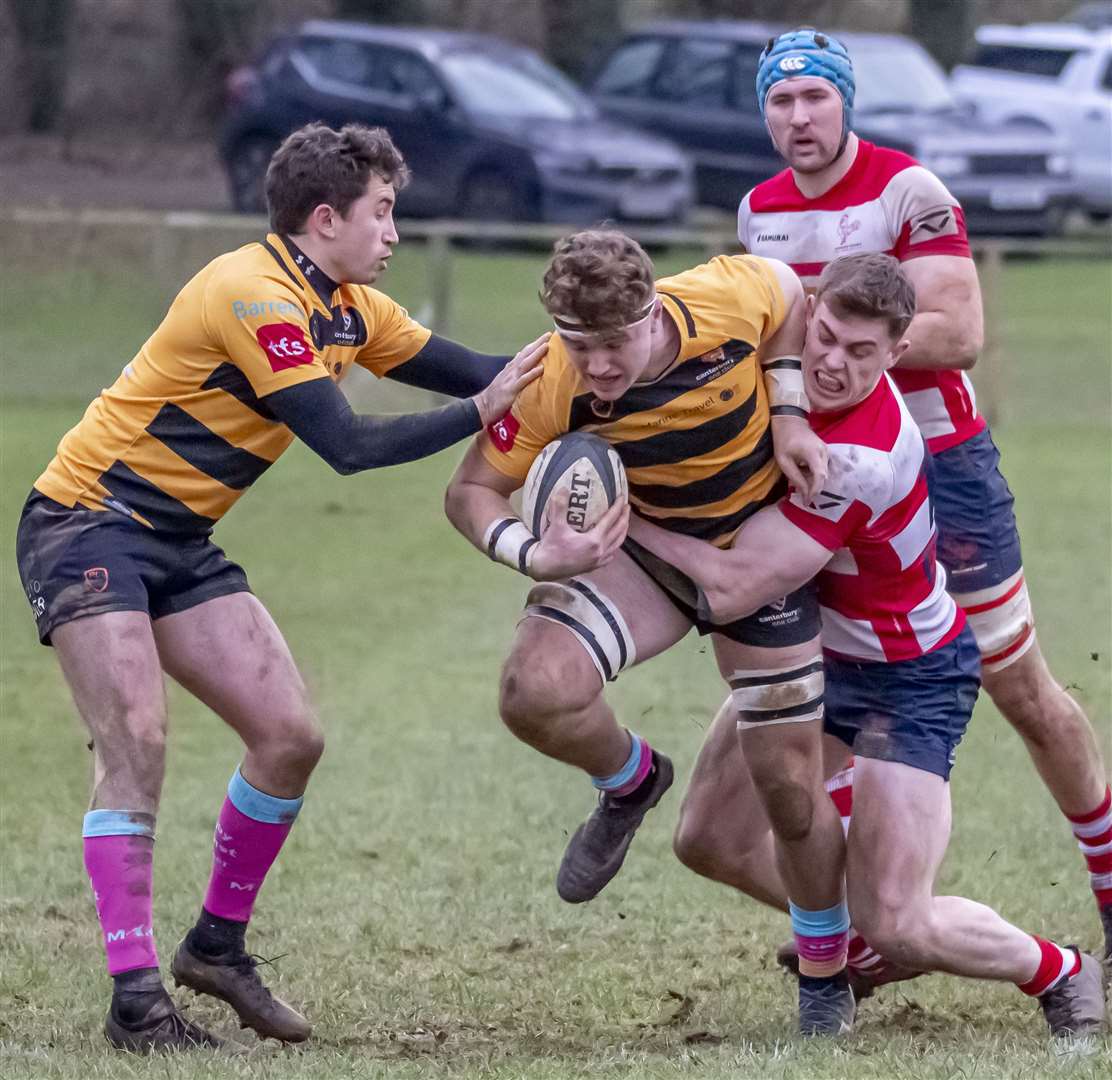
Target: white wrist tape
508,541
783,377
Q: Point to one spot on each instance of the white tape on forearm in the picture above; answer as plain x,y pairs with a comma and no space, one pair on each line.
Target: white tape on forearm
783,377
508,541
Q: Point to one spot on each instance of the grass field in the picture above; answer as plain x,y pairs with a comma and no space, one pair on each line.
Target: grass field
414,906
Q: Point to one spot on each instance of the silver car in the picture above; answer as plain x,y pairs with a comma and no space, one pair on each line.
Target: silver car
1055,76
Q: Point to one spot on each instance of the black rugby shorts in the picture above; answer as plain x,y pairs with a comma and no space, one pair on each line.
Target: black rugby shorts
75,562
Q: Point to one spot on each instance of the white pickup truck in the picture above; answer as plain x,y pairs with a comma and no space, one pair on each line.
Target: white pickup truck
1058,76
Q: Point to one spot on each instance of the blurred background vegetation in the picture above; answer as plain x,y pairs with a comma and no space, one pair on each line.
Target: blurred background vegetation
155,68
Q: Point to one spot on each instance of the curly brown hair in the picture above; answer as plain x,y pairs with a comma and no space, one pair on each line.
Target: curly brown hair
599,279
870,286
317,164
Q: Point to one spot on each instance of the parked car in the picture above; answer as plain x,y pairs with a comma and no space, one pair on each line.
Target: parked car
1055,76
489,129
694,83
1093,14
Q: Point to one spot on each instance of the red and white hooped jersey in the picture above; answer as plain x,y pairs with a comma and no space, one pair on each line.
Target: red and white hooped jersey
887,202
883,595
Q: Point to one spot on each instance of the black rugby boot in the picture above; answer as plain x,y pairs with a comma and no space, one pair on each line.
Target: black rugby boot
1076,1005
151,1022
234,977
598,848
826,1006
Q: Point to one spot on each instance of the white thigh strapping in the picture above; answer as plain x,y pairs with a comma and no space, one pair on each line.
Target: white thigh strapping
1001,620
591,616
782,696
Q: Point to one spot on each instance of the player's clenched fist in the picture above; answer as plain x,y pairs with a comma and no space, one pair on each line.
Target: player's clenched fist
564,551
494,402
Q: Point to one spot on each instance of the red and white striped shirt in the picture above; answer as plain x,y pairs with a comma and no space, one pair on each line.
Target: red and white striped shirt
883,596
887,202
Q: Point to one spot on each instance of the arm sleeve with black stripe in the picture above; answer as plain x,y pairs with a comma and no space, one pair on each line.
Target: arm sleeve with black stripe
448,368
320,416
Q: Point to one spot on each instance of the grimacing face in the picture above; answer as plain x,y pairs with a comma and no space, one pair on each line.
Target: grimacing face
844,358
804,118
364,237
611,363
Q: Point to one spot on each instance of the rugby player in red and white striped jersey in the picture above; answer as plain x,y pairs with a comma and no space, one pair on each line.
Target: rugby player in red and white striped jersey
841,195
902,666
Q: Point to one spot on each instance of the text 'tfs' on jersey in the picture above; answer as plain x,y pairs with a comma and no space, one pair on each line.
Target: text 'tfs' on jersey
182,433
695,441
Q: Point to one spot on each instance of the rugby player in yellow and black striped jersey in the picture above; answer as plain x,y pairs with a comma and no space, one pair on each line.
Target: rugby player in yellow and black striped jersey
667,372
695,438
123,579
206,405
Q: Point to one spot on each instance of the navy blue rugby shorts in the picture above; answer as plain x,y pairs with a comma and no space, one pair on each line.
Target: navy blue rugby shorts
978,541
911,711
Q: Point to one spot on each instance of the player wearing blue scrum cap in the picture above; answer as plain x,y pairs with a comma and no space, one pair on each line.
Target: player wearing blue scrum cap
807,54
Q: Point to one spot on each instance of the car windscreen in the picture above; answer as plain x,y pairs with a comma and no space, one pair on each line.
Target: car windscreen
1023,59
897,77
514,84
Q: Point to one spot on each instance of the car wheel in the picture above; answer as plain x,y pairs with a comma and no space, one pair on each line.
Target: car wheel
247,172
496,196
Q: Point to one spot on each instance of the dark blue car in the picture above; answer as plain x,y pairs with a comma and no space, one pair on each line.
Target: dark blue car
489,129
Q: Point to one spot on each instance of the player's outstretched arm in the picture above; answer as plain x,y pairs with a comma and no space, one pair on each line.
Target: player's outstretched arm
948,330
770,558
319,414
477,504
447,367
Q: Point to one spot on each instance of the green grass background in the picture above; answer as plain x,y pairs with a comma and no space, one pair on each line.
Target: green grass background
414,906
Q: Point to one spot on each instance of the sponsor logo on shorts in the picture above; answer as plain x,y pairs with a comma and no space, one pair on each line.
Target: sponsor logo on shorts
35,599
96,579
285,345
778,614
503,432
772,237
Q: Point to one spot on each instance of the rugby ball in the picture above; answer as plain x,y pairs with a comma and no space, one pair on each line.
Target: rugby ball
585,466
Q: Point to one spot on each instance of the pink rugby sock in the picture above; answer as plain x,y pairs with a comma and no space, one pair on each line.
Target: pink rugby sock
120,869
250,832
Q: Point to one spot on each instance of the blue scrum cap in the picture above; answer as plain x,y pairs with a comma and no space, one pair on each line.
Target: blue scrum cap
807,53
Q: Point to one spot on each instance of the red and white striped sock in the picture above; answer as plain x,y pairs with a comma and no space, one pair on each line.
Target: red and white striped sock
862,957
840,789
1094,836
1056,964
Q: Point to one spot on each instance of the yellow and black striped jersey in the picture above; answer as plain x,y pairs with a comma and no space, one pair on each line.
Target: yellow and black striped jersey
182,432
695,441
